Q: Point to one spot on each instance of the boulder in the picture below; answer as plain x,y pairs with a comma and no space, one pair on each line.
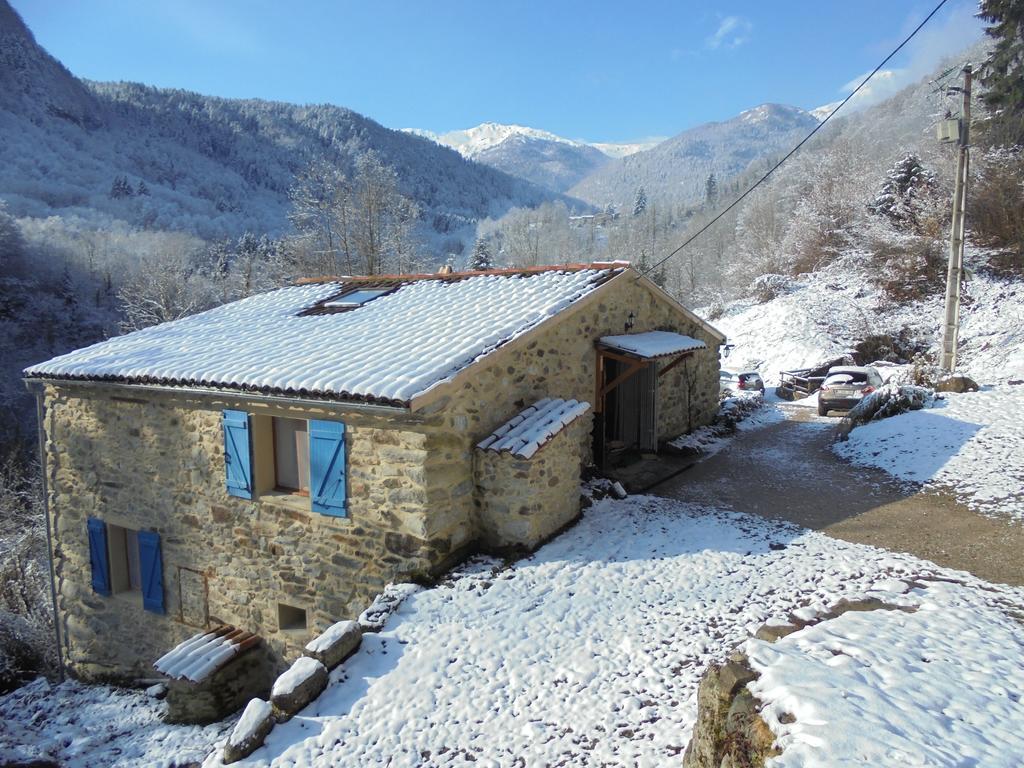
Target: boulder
299,685
335,644
729,730
956,382
250,731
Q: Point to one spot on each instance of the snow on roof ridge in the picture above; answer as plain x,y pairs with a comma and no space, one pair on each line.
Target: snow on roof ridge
501,271
528,431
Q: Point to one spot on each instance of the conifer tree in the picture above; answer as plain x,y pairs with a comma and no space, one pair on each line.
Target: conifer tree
711,191
1002,74
481,259
640,202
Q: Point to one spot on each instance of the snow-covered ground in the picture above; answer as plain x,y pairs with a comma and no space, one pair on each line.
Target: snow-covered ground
971,443
938,686
81,726
826,313
587,653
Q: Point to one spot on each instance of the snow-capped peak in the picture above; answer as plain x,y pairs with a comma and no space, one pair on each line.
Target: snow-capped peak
471,142
825,110
764,112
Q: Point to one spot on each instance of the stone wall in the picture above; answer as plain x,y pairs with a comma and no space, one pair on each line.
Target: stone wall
561,360
155,462
522,502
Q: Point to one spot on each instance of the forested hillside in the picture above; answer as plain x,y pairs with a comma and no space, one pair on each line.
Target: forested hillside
169,159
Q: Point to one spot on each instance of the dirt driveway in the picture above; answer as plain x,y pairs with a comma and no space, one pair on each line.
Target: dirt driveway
787,470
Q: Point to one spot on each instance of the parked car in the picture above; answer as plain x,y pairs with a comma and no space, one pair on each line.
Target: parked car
845,386
750,381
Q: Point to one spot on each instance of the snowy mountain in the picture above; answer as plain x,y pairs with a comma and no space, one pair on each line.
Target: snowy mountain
676,169
538,156
825,110
212,166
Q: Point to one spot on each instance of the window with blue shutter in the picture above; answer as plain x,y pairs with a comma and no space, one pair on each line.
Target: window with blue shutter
327,467
238,454
98,556
152,567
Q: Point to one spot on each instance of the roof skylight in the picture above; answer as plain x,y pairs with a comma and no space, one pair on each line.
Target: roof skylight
356,298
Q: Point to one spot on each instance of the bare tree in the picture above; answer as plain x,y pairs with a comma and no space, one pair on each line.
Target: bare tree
359,225
163,289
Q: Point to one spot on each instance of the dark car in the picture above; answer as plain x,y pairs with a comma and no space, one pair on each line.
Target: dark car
846,386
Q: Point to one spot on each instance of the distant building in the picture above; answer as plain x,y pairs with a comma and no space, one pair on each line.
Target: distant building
271,464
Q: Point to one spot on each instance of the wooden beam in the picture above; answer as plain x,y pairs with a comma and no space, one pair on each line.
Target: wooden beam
620,357
626,374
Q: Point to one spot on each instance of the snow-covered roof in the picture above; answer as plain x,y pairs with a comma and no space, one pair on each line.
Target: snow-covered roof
653,343
527,432
203,654
296,341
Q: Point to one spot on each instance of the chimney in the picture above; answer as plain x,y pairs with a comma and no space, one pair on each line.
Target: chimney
445,269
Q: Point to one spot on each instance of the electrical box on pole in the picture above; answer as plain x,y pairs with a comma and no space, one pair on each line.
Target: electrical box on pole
948,130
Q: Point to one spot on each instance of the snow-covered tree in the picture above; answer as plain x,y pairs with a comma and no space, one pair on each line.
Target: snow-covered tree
481,259
121,188
1002,73
908,188
711,191
640,201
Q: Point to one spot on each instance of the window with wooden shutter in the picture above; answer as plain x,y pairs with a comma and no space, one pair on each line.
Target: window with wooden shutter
152,571
98,556
327,459
237,454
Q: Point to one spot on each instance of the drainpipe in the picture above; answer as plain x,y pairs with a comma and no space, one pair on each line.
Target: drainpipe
38,391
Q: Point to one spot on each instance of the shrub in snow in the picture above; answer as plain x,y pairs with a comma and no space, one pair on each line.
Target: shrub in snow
335,644
19,657
889,400
250,732
956,382
767,287
299,685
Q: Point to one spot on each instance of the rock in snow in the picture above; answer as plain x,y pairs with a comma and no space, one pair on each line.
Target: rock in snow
251,730
335,644
299,685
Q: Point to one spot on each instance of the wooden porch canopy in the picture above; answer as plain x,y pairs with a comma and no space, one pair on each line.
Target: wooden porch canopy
637,351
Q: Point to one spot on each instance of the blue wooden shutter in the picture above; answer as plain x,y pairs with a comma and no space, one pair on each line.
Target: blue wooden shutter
152,566
327,467
238,454
98,556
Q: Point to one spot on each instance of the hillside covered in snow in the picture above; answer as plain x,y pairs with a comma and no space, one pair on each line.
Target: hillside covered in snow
209,166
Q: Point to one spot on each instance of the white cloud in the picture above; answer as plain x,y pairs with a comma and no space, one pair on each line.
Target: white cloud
732,32
940,39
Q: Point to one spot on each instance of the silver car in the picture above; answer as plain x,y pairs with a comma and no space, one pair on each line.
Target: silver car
845,386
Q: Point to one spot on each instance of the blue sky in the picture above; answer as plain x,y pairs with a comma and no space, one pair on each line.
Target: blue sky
598,71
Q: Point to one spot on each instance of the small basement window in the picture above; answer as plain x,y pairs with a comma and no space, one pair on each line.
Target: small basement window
356,298
289,617
123,549
291,455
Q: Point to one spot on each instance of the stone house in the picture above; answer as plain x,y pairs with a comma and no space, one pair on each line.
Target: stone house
272,463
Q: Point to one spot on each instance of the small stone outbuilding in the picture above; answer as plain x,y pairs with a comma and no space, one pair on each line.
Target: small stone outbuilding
273,463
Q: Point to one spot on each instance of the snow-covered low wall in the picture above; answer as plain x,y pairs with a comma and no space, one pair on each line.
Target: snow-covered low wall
522,502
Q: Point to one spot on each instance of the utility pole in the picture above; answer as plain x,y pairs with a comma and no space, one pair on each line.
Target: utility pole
954,275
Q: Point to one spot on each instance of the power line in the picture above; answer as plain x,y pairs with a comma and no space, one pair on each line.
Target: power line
803,141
